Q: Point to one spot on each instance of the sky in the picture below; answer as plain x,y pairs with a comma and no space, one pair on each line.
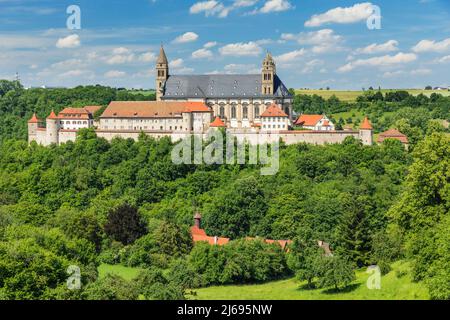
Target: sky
316,43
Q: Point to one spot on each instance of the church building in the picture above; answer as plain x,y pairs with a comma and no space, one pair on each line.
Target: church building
239,100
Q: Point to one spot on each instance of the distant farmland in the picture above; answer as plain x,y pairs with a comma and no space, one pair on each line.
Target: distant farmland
350,96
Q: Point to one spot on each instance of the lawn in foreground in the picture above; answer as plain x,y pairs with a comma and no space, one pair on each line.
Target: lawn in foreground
392,288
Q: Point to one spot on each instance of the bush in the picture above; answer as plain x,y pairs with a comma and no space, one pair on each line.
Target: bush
153,285
335,271
241,261
112,287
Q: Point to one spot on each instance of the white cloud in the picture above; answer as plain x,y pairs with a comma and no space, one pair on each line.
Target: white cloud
421,72
444,59
210,8
386,60
147,57
210,44
68,42
120,59
290,56
177,63
356,13
375,48
76,73
202,54
241,49
324,40
275,6
311,65
432,46
121,50
115,74
241,68
187,37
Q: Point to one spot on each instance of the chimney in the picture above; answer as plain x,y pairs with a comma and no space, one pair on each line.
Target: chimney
198,220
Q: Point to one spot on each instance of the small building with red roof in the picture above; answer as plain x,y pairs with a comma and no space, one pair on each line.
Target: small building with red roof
395,135
274,119
315,122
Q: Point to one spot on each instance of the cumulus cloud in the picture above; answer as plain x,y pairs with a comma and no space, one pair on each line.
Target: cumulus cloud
387,60
356,13
187,37
120,56
147,57
432,46
275,6
375,48
209,8
115,74
68,42
444,59
202,54
241,49
290,56
324,40
210,44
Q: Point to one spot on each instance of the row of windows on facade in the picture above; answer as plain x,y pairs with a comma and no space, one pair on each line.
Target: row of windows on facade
274,126
144,120
74,122
234,112
143,128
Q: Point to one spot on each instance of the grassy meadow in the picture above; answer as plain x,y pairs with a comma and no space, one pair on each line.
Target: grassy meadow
350,96
397,285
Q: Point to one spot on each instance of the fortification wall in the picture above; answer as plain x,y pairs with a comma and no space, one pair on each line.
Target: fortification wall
67,135
295,137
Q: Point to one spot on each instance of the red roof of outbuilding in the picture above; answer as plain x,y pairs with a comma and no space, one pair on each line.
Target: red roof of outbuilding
274,111
393,134
309,120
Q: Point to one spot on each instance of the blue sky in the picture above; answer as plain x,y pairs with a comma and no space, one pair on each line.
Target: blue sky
316,43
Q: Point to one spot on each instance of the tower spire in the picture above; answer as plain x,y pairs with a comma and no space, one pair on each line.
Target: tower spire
162,73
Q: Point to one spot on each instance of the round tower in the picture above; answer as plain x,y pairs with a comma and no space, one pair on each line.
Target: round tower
162,73
33,125
269,71
52,129
366,132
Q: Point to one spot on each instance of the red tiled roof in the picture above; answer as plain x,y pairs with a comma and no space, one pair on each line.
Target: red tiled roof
75,113
52,116
282,243
366,125
326,123
393,134
152,109
274,111
93,109
217,123
34,119
309,120
199,235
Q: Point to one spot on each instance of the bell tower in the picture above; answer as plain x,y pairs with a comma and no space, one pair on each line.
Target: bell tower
162,73
269,70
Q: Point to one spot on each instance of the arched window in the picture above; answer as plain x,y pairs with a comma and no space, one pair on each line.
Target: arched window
222,112
233,112
257,111
245,112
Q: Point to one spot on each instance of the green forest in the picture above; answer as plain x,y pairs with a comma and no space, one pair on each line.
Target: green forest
92,202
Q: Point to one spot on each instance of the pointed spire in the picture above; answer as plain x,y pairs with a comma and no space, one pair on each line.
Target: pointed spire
52,116
34,119
162,59
366,125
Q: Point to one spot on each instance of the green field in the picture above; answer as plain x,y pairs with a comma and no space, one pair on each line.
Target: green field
125,272
350,96
393,287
